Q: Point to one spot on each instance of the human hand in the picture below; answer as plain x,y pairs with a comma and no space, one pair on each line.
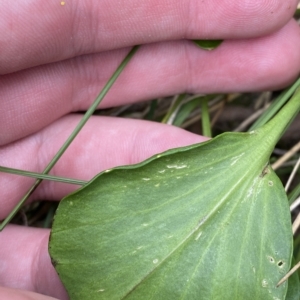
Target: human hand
54,61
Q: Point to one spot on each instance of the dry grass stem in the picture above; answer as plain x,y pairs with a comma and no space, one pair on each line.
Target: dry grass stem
285,157
289,274
295,204
197,118
262,100
218,113
251,119
296,224
295,169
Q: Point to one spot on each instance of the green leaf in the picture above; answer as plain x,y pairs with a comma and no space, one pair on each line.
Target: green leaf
208,44
173,109
208,221
185,110
276,105
294,194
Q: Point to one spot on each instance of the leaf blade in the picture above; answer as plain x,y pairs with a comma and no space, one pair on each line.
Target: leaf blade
143,236
159,225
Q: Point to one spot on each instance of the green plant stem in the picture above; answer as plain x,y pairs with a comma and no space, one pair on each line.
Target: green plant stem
41,176
294,194
206,127
49,217
286,115
150,115
174,108
64,147
275,106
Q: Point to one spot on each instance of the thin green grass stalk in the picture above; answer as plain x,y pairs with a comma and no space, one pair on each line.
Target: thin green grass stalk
297,247
151,113
64,147
173,109
295,95
41,176
206,126
49,217
189,106
294,194
275,106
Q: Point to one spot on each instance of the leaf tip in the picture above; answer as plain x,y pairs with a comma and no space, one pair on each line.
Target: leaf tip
208,44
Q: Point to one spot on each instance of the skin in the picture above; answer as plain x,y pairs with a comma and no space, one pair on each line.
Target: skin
55,59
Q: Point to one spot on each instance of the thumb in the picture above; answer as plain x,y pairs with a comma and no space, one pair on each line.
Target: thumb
13,294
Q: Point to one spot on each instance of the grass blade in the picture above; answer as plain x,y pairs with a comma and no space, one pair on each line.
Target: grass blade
65,146
41,176
206,127
275,106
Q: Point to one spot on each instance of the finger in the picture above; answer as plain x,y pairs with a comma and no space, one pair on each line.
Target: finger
16,294
104,143
34,98
34,34
26,265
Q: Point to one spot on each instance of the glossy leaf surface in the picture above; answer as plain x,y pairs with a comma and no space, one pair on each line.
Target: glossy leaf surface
209,221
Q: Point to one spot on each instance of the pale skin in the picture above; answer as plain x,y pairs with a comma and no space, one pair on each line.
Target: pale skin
54,60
